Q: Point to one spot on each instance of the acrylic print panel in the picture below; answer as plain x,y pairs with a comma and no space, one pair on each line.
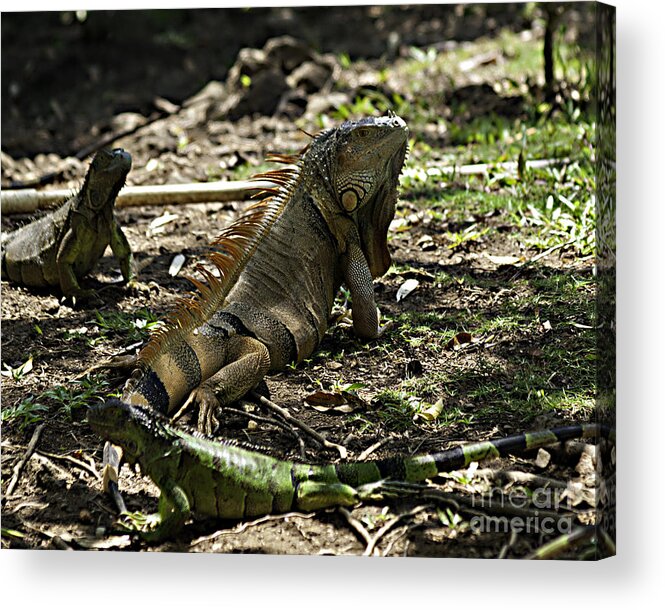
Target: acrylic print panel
474,418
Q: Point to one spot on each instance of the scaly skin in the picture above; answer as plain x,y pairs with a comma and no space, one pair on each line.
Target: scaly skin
281,267
62,247
197,475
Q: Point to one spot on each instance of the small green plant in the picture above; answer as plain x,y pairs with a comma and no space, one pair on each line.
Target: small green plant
471,233
133,327
28,411
19,372
83,393
60,398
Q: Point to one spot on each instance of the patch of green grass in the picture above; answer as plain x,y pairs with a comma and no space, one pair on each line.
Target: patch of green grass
132,327
82,393
27,412
400,409
61,399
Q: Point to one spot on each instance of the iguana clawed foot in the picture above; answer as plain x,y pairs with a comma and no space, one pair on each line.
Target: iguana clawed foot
380,490
136,288
344,319
208,404
145,526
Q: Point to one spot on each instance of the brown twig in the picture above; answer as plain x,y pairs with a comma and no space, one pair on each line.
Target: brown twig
356,525
296,422
509,545
247,524
21,463
367,452
523,478
273,422
562,543
79,463
387,527
483,505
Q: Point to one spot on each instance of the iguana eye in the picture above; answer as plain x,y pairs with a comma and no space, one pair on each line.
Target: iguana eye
363,132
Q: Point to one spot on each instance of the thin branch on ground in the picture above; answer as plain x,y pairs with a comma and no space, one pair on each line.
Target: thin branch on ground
398,535
523,478
521,266
273,422
247,524
482,505
78,463
296,422
509,545
388,526
367,452
18,469
356,525
563,543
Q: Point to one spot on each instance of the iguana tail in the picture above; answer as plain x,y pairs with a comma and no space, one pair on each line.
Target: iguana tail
421,467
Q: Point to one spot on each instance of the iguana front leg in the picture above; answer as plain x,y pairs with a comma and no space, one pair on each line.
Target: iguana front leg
248,361
359,281
173,512
122,251
68,252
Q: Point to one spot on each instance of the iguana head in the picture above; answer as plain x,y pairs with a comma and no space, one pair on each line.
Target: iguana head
105,177
365,159
135,429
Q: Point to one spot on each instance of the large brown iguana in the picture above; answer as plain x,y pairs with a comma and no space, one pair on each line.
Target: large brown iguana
281,265
63,246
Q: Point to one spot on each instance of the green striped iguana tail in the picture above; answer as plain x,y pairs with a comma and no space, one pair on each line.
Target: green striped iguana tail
197,475
281,265
63,246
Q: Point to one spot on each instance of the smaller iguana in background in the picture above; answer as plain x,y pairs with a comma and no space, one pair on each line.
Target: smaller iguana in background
63,246
198,475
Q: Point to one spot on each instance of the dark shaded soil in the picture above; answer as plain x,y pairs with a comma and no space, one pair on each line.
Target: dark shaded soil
60,91
58,502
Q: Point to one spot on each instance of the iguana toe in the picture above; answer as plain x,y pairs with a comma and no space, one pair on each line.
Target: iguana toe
208,403
136,288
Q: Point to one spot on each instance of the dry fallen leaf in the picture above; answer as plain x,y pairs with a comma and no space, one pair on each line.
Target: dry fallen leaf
502,260
426,243
407,288
157,225
335,402
433,411
399,225
543,458
459,339
176,264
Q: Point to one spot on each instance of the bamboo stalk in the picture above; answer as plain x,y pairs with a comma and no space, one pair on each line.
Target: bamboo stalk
29,200
478,169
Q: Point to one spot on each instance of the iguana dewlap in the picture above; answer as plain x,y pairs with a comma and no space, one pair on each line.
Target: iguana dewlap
63,246
281,266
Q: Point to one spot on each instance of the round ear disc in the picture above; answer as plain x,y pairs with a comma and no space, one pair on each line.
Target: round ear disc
349,200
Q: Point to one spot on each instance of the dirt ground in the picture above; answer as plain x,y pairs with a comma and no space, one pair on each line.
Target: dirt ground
58,502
